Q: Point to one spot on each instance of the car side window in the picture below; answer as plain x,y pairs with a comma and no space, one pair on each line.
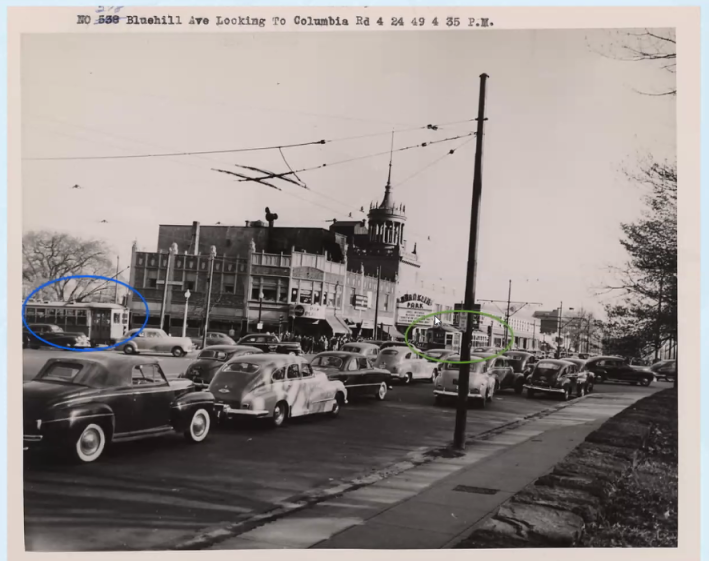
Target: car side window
293,372
278,375
352,365
146,374
362,363
408,355
306,371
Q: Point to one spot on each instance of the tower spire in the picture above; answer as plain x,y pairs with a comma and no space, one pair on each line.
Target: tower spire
386,203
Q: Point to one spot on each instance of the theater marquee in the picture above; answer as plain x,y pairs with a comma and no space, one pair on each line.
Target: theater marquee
410,307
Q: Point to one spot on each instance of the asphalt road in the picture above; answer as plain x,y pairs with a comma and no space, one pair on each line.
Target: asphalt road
144,494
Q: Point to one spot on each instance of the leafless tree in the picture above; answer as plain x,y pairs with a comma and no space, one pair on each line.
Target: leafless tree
48,256
652,46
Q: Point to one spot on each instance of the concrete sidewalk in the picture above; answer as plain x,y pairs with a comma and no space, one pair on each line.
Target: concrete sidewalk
435,505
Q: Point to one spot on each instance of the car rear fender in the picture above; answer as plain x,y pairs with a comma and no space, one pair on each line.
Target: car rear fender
65,421
184,407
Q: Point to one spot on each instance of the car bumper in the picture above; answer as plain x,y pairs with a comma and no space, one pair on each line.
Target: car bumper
31,441
446,393
543,389
225,412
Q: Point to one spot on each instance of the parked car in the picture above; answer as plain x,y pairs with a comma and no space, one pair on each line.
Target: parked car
501,369
355,371
271,344
210,360
155,341
389,344
369,350
522,362
277,387
52,334
84,404
586,378
481,382
615,369
405,365
213,338
665,369
553,376
440,354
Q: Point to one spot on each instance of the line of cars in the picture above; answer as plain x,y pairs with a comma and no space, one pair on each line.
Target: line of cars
82,404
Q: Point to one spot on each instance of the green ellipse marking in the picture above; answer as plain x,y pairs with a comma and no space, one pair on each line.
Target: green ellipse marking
507,348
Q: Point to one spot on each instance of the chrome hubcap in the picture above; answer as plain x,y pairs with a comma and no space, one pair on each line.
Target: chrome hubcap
382,390
279,414
90,442
199,424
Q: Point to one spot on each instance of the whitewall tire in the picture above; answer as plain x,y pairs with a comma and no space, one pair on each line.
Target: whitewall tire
199,426
90,444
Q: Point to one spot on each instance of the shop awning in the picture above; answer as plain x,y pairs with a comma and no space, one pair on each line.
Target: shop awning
337,325
396,334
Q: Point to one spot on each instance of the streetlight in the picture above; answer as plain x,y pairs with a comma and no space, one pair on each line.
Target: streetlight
212,255
260,307
184,321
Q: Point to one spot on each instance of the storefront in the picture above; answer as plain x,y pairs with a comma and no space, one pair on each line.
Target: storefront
314,321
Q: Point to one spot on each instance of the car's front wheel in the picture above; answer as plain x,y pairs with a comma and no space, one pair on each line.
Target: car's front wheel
646,381
335,411
90,444
178,352
129,350
199,426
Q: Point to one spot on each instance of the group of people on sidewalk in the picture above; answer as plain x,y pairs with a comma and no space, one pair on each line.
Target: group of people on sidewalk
311,344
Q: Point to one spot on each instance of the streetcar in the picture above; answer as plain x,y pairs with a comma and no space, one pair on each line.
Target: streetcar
103,323
450,338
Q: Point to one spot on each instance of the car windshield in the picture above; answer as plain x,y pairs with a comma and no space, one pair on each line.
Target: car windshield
390,352
351,348
328,362
215,355
475,367
237,376
545,368
436,354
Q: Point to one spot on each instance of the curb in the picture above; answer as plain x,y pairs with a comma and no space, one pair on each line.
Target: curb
209,537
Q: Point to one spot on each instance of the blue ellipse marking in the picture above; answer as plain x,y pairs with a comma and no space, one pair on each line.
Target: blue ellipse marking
89,350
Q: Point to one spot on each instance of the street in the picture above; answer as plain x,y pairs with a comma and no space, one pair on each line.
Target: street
150,493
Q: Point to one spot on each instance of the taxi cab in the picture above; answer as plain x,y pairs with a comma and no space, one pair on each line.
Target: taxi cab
275,387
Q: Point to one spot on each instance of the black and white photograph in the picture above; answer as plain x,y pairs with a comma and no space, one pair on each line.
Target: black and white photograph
353,288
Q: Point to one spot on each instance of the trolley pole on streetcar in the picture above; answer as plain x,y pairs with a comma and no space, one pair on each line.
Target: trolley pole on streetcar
212,255
469,301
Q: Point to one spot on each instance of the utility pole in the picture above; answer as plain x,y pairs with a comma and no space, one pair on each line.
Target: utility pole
658,327
212,255
173,249
376,306
118,268
469,301
507,314
558,340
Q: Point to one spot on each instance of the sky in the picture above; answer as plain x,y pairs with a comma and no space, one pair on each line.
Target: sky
564,122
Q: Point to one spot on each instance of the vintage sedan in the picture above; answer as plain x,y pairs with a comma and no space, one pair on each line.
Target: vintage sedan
553,376
522,362
405,365
202,370
367,349
85,403
616,369
52,334
440,354
270,343
355,371
503,372
481,382
153,340
586,378
665,369
275,387
213,338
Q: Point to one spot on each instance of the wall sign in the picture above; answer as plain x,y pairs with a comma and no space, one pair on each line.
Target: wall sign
360,301
415,299
310,273
307,311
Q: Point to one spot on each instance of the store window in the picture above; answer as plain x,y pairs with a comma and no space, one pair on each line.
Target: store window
283,290
306,292
294,294
317,292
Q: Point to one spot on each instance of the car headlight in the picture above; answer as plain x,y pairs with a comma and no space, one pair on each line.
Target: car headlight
39,424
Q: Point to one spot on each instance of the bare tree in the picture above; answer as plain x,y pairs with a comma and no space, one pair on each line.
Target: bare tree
48,256
652,46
